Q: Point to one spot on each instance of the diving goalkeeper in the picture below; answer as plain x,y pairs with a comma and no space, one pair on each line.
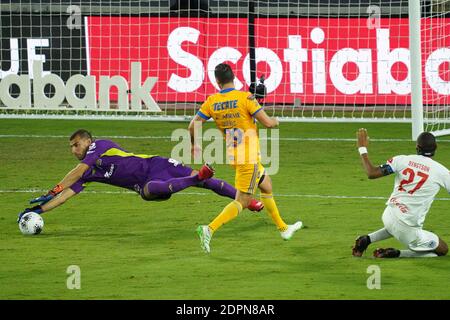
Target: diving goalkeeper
154,178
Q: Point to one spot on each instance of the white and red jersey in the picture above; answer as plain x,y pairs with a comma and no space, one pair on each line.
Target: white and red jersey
417,181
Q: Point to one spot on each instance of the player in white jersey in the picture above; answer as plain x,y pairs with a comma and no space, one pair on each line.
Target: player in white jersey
418,178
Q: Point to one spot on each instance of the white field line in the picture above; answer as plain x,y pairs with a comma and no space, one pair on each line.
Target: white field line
292,195
169,137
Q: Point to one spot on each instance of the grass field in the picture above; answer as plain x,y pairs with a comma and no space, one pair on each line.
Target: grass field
127,248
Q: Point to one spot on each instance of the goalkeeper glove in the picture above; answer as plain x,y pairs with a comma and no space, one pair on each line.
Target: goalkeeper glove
49,196
36,209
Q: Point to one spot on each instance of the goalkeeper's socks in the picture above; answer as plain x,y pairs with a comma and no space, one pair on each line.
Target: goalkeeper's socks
230,212
220,187
271,207
171,186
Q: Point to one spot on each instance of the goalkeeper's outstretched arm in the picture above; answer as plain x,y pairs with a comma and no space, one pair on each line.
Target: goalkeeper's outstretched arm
58,200
50,204
73,176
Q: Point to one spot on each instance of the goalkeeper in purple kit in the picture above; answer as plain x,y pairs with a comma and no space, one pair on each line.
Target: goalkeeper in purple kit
154,178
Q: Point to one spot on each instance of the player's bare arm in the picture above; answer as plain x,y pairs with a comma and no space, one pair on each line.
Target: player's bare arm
54,202
73,176
265,120
58,200
197,121
58,194
372,171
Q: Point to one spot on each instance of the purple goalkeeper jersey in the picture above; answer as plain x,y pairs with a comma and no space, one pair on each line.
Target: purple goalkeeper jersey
109,163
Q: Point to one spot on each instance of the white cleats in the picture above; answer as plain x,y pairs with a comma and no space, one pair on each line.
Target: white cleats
292,228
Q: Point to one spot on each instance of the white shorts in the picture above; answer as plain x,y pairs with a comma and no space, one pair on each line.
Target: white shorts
415,238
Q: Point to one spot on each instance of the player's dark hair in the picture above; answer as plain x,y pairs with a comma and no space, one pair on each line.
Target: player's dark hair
82,133
426,144
223,73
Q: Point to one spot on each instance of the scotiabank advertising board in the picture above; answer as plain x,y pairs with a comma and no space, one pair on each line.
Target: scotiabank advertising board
315,60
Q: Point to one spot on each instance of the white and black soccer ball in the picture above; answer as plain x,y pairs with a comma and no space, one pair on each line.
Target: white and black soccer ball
31,223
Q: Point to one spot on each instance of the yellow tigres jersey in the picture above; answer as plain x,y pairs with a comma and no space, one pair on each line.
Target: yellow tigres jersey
233,112
231,108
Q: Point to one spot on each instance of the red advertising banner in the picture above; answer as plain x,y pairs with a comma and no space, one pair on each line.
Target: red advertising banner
316,60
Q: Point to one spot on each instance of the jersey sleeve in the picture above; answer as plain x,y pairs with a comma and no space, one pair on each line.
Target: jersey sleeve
78,186
395,163
95,150
253,107
81,183
205,110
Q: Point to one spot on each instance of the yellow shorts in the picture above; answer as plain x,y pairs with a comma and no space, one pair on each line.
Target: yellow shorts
248,177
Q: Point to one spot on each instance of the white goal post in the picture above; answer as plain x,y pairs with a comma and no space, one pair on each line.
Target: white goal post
323,61
415,48
429,25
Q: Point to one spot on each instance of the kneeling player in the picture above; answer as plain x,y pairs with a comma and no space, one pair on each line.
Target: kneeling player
418,179
154,178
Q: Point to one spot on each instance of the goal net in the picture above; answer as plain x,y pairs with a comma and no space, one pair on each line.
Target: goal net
435,42
341,60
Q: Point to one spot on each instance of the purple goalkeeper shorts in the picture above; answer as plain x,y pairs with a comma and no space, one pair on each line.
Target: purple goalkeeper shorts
163,169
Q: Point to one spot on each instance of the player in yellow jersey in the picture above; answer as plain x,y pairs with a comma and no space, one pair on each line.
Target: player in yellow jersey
234,113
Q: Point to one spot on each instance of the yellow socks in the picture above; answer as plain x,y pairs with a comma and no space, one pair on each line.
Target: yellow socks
228,213
232,210
271,207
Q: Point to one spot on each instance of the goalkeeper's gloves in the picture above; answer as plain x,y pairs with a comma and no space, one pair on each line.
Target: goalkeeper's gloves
49,196
36,209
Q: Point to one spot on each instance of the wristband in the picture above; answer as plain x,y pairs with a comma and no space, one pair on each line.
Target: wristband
362,150
56,189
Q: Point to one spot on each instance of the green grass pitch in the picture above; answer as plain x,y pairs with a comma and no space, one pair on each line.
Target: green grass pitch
127,248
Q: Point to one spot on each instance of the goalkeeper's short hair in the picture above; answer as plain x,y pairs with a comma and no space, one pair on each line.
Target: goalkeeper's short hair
223,73
82,133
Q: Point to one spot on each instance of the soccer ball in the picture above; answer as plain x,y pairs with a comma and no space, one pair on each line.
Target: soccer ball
31,223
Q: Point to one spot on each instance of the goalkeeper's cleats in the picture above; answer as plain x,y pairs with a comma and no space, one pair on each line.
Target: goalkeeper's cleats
205,172
291,229
204,233
361,244
255,205
386,253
